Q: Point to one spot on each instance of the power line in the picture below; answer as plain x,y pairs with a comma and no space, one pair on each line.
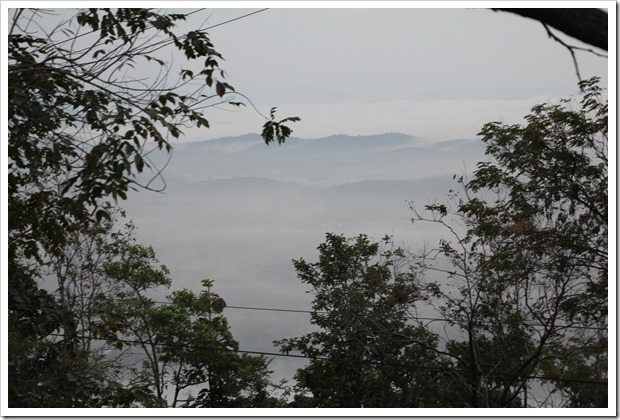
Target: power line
234,19
254,308
257,308
429,368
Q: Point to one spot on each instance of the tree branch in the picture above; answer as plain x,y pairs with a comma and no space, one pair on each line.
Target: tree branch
587,25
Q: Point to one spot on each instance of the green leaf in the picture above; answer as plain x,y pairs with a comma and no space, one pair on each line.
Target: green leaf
220,89
139,162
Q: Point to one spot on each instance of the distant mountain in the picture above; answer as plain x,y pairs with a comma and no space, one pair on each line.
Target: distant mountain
338,141
332,160
343,142
226,144
387,187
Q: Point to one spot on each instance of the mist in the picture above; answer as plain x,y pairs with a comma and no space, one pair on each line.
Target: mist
238,211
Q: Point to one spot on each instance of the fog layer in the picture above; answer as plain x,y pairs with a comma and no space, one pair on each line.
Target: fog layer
238,211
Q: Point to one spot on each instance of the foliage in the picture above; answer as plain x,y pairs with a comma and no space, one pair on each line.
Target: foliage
117,346
519,284
526,282
365,352
83,118
68,364
196,338
276,130
187,347
73,117
555,171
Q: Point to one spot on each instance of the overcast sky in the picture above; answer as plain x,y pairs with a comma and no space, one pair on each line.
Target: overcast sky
434,73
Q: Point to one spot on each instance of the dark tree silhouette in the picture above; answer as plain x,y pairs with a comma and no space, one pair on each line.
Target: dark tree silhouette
586,25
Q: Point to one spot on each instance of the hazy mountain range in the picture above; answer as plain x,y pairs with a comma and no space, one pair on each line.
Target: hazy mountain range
238,211
327,161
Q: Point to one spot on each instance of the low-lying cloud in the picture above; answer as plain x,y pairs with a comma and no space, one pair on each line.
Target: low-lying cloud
238,212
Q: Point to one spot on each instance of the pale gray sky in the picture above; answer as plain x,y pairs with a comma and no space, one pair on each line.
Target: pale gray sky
438,73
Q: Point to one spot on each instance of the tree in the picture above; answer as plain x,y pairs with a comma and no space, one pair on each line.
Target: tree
366,352
530,269
189,356
78,363
83,118
197,339
122,348
82,123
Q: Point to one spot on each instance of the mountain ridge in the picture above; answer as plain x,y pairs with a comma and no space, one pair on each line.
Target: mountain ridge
330,160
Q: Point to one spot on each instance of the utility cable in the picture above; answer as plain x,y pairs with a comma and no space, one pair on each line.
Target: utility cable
237,18
435,319
324,358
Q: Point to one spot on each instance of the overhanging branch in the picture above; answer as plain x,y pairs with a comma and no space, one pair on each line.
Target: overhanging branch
586,25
